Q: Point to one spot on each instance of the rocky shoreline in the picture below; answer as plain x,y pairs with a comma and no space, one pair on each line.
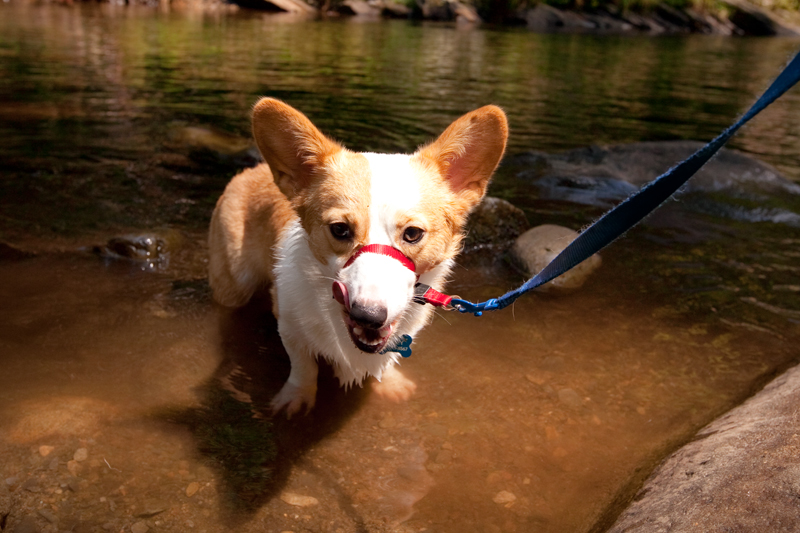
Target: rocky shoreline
733,17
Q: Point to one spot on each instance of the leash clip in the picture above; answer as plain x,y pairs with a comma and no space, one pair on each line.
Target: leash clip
425,294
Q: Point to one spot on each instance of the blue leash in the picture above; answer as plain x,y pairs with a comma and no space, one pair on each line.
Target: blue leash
630,212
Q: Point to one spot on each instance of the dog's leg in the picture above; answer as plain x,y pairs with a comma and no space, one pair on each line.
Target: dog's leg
394,385
301,387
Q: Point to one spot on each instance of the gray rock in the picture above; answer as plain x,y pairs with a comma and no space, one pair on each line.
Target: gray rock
603,176
535,248
739,474
494,225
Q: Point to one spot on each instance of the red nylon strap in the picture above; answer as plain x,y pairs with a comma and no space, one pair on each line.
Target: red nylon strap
434,297
383,249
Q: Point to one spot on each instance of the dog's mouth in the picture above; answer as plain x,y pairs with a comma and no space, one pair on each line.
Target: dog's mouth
368,340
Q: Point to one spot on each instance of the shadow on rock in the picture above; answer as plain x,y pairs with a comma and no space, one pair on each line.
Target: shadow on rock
234,430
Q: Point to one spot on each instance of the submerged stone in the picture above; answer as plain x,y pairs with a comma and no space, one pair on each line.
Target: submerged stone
535,248
151,250
732,185
493,225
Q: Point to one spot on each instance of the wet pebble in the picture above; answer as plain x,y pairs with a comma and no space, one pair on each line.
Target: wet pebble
81,454
570,398
298,500
31,485
48,515
140,527
45,450
192,488
74,484
504,497
74,467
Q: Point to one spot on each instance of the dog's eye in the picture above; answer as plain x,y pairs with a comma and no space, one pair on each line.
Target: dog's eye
413,235
341,231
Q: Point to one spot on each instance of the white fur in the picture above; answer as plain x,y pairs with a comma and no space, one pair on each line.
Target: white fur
311,322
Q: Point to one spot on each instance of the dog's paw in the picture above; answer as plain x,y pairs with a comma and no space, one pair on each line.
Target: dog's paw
292,398
394,386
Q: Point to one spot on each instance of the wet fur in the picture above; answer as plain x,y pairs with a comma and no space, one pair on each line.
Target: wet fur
271,228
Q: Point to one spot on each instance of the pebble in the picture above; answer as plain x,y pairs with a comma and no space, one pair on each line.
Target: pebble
298,500
570,398
53,464
48,515
81,454
140,527
45,450
74,467
536,380
11,481
387,422
31,485
192,489
504,497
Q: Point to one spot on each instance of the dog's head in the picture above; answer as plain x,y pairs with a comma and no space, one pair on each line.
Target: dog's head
415,204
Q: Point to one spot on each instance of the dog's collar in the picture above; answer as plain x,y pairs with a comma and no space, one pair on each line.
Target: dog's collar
383,249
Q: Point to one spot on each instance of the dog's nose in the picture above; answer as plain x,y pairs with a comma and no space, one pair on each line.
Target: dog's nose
368,316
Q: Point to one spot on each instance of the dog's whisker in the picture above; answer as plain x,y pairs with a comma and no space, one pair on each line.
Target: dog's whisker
440,314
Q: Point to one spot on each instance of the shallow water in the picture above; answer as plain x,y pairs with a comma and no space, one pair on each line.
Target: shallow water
543,417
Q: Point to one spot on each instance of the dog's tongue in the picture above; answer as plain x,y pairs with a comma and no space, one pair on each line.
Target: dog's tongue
340,294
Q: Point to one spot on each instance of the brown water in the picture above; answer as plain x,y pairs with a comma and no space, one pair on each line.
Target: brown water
128,402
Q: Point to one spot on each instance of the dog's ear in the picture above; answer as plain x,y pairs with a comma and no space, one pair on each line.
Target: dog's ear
468,152
292,146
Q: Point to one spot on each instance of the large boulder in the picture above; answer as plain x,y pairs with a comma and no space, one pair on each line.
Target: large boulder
740,473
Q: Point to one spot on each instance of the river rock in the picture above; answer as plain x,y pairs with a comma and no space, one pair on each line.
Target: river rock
535,248
493,226
358,7
210,146
740,473
151,250
394,9
731,185
753,20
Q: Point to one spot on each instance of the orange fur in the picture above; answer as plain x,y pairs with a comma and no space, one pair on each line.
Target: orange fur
273,225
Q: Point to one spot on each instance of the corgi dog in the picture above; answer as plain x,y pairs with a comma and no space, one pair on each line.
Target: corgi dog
342,238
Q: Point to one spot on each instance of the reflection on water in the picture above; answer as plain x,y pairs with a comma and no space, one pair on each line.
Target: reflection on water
129,402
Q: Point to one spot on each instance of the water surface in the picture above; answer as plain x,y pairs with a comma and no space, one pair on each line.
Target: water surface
543,417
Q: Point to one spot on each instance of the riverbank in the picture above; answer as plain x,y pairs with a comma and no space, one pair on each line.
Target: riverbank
722,17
